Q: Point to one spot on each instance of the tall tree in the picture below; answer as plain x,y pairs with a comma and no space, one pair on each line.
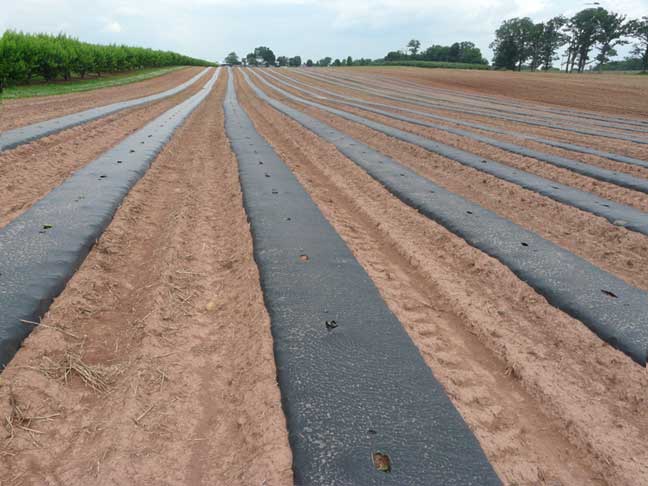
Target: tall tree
309,63
349,61
282,61
326,62
413,46
612,32
512,44
295,61
638,29
552,39
584,29
265,54
232,59
251,59
337,63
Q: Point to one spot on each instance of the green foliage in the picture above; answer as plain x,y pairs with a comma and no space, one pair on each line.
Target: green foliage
337,63
265,55
24,57
638,29
349,61
232,59
295,61
309,63
282,61
461,52
326,62
413,46
89,83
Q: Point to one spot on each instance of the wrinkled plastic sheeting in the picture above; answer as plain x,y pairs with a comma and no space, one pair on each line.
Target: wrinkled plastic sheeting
21,135
352,382
613,309
41,249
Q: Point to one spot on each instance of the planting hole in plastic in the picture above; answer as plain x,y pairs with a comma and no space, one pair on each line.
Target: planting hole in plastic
382,462
330,325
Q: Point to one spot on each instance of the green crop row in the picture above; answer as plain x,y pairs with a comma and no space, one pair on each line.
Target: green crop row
28,57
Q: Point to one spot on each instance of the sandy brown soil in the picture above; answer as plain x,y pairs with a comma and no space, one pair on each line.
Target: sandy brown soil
167,316
543,169
16,113
549,402
601,143
464,101
166,319
54,158
625,95
615,249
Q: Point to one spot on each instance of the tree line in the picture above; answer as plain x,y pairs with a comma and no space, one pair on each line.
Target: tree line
590,36
25,57
461,52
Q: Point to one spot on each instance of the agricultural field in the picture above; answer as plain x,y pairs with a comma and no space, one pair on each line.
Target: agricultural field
367,275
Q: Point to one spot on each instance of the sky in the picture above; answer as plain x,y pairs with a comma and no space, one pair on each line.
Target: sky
209,29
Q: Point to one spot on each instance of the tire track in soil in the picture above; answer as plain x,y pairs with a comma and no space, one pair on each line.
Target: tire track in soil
618,251
25,111
573,411
54,158
169,300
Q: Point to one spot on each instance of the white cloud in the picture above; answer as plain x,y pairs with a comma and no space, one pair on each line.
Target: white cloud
113,27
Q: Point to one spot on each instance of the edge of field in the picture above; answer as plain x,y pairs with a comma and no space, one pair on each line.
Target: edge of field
80,85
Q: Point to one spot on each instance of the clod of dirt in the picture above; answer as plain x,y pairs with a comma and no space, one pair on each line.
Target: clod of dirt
382,462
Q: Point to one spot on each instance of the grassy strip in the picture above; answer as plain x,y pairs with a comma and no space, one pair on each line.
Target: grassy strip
78,85
434,64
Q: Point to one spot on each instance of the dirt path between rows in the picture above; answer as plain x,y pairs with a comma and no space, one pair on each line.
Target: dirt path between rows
620,94
606,144
30,171
17,113
549,402
615,249
166,317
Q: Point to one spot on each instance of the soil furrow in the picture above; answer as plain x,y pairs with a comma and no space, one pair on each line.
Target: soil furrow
605,144
460,291
55,157
168,310
18,113
487,108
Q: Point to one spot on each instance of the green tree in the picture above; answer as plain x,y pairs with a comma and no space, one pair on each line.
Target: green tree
584,30
512,44
325,62
251,59
282,61
232,59
337,63
638,29
612,32
413,46
265,54
349,61
295,61
309,63
552,39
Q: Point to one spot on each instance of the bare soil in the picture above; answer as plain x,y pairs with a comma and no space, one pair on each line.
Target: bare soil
549,402
155,365
30,171
620,94
167,310
17,113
